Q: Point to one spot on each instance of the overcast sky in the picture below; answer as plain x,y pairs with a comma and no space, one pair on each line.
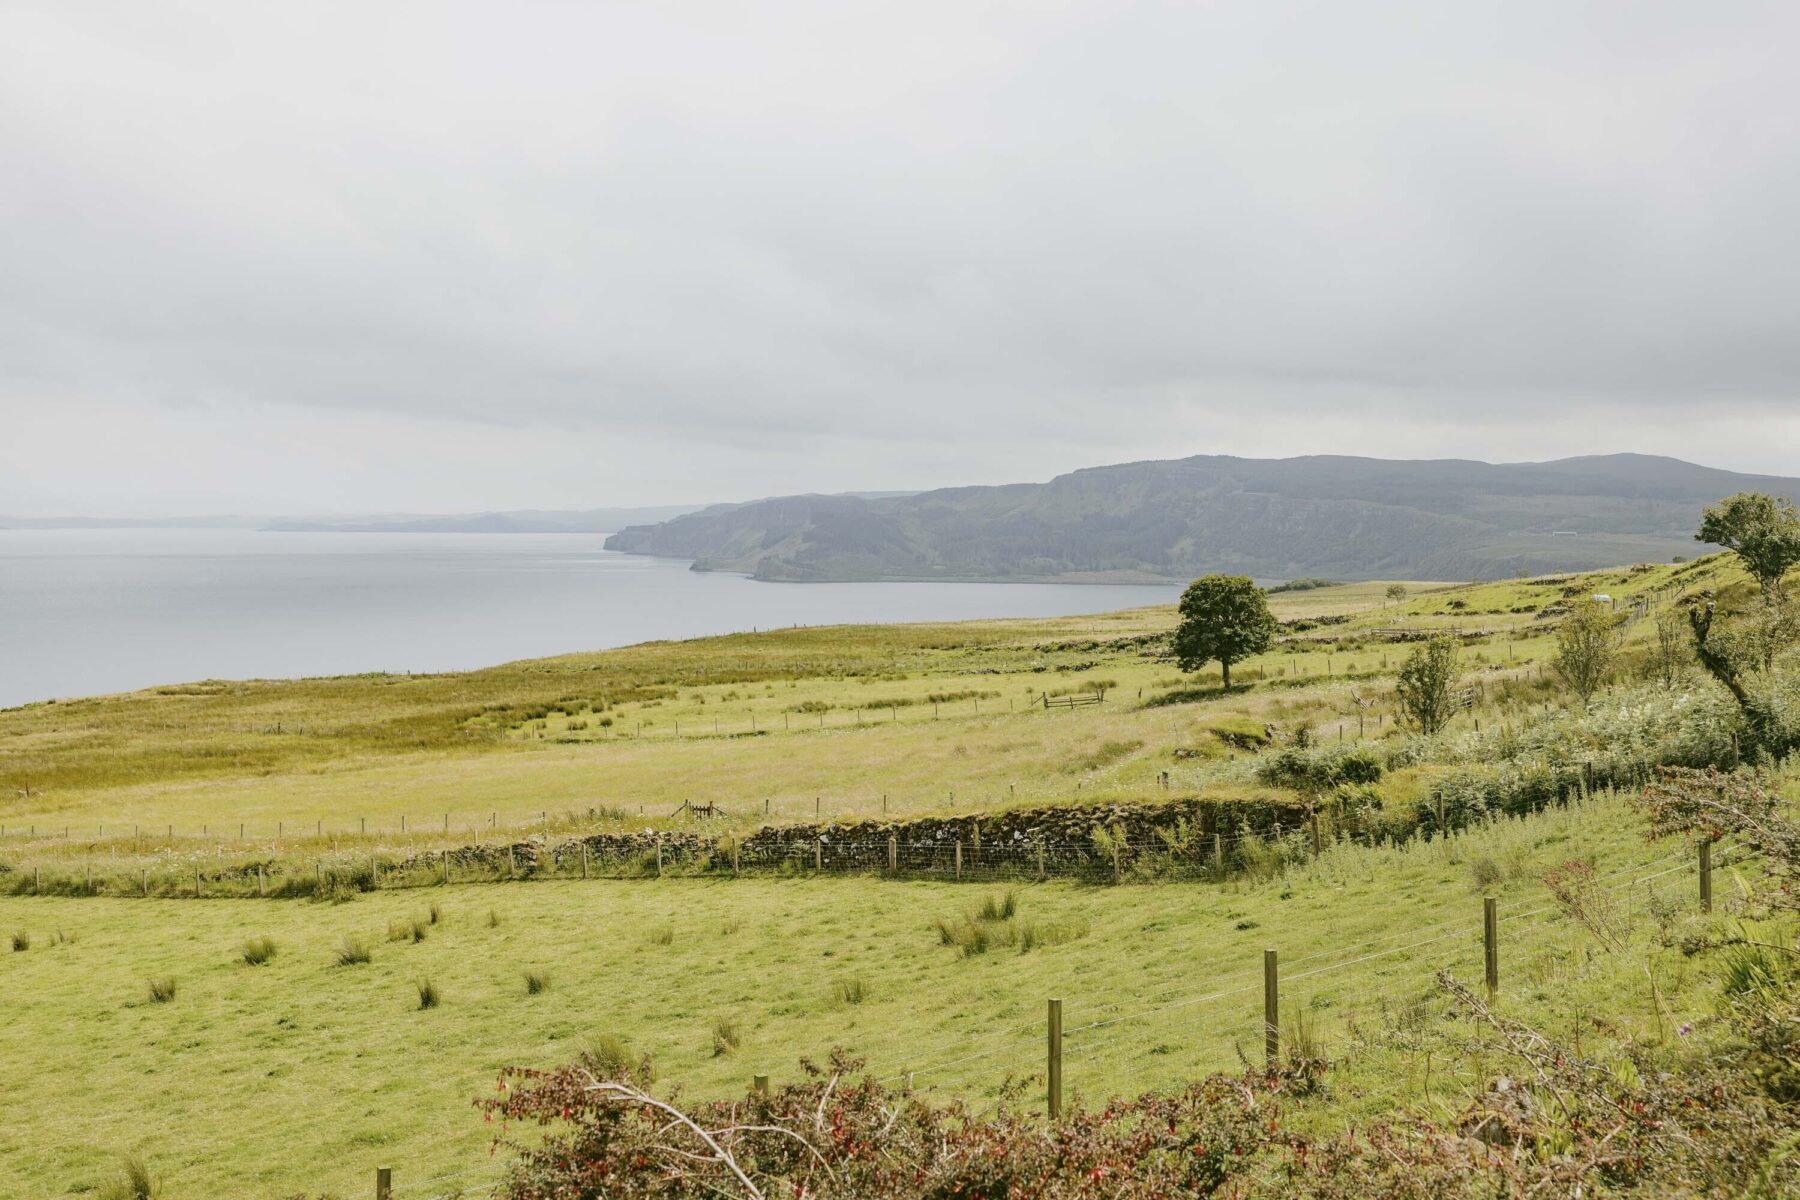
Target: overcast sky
336,257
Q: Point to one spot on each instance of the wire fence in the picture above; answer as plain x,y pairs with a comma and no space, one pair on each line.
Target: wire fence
1336,1002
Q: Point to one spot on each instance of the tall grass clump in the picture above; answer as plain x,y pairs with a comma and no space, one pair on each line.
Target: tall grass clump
428,994
133,1182
410,930
258,950
21,941
662,935
850,991
609,1054
162,990
726,1036
1002,908
351,951
536,981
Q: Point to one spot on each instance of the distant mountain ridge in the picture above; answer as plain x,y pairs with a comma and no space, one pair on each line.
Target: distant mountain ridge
1342,517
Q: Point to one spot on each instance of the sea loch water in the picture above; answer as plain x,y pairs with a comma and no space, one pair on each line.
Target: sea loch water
105,610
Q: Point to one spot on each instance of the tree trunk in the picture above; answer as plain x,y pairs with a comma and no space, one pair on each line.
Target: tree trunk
1225,673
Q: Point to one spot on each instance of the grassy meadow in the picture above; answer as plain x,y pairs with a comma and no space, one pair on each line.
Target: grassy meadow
365,1027
771,725
301,1074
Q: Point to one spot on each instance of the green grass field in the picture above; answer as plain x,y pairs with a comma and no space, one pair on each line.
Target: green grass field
832,718
301,1074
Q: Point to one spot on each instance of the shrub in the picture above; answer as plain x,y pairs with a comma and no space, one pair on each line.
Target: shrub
351,951
1581,896
725,1035
21,941
133,1182
162,990
428,994
258,950
536,981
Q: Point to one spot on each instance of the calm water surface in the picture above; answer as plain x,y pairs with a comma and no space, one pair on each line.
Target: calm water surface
105,610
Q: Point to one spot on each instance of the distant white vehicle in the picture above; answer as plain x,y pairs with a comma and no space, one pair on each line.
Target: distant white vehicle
1602,598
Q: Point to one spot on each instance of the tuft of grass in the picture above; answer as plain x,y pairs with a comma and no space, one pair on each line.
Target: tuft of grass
1003,908
493,919
850,991
726,1035
133,1182
258,950
162,990
351,951
60,938
609,1055
21,941
434,914
428,994
662,935
536,981
409,930
1034,935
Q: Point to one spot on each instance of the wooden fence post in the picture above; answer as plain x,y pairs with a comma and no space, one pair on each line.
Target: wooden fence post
384,1183
1055,1064
262,883
1219,853
1271,1009
146,883
1706,875
1117,875
759,1084
959,860
1040,849
734,856
584,860
1490,940
893,854
444,862
199,890
512,867
1318,846
818,854
659,860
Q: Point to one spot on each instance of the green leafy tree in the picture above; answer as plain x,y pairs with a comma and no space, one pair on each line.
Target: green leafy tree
1396,592
1586,644
1424,684
1224,618
1763,531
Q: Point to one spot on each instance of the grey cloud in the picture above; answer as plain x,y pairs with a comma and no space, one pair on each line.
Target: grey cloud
860,225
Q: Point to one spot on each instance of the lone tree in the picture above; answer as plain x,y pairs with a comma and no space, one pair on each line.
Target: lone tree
1396,592
1586,643
1224,618
1763,531
1424,685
